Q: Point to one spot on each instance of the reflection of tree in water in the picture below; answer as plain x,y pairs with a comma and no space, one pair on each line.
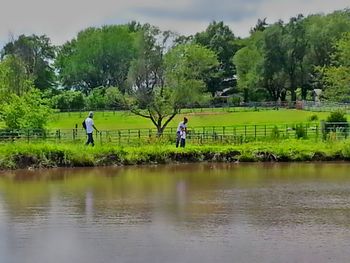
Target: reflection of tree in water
191,197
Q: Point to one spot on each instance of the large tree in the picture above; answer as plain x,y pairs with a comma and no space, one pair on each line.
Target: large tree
219,38
97,57
295,45
248,61
336,77
37,54
13,77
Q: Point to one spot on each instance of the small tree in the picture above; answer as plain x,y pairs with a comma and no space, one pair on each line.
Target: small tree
180,85
27,112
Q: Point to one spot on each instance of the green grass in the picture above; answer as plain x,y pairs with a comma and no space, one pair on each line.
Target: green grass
23,155
216,117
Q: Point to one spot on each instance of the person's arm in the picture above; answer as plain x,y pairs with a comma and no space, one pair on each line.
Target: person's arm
93,125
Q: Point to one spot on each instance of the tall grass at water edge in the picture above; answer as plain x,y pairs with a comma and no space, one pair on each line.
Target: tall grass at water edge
49,155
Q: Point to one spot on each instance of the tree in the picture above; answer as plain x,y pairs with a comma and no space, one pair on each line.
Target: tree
185,66
260,26
274,61
13,78
248,61
26,112
219,38
68,100
336,78
37,54
295,45
97,57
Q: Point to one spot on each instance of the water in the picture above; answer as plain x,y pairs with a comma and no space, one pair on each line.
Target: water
177,213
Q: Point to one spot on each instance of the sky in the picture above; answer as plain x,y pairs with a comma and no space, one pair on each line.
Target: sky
61,20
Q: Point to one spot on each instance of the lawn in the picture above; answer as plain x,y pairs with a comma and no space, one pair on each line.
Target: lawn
216,117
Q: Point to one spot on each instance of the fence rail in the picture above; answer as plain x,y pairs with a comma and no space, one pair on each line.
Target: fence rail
237,134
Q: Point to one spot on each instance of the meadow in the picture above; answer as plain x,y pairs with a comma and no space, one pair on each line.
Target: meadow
109,120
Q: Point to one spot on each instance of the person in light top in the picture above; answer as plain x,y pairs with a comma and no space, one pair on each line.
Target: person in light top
181,133
89,122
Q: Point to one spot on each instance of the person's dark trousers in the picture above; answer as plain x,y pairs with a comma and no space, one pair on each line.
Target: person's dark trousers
90,139
182,143
178,139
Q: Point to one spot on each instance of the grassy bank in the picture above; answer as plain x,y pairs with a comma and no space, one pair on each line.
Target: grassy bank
22,155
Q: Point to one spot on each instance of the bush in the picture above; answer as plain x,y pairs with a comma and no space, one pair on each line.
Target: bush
313,117
115,99
27,112
275,133
300,131
70,99
336,122
96,99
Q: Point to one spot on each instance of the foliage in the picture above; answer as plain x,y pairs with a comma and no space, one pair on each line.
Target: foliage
114,98
313,117
275,133
337,116
36,53
300,131
248,61
13,78
336,77
97,57
336,121
96,99
68,100
24,155
219,38
26,112
163,85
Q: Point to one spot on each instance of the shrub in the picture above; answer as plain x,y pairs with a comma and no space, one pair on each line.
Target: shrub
336,122
313,117
300,131
27,112
275,133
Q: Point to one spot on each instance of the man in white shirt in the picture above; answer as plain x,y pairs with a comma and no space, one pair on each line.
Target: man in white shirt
181,133
89,122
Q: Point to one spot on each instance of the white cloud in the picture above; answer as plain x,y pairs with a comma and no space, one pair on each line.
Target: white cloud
61,20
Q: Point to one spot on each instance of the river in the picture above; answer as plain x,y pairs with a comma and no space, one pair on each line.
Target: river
177,213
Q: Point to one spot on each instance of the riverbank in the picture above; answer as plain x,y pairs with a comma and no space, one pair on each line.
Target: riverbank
49,155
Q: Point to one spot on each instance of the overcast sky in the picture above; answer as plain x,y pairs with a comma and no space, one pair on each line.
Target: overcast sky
62,19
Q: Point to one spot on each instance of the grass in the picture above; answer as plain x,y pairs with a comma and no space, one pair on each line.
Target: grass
215,117
46,155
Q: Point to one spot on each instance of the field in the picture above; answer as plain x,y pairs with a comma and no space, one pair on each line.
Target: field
199,118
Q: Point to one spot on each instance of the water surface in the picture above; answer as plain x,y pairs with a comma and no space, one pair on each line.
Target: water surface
177,213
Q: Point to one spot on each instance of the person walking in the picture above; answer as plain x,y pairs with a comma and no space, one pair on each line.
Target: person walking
89,124
181,133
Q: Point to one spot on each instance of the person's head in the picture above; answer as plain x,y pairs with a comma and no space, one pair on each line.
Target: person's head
185,120
91,114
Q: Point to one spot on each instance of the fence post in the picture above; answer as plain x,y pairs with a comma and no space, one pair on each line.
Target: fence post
255,131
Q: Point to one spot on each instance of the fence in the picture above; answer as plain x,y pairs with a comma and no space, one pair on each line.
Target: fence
196,135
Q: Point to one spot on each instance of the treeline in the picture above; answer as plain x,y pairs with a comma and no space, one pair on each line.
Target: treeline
155,73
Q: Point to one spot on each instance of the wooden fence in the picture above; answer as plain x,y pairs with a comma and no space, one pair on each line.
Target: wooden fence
237,134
